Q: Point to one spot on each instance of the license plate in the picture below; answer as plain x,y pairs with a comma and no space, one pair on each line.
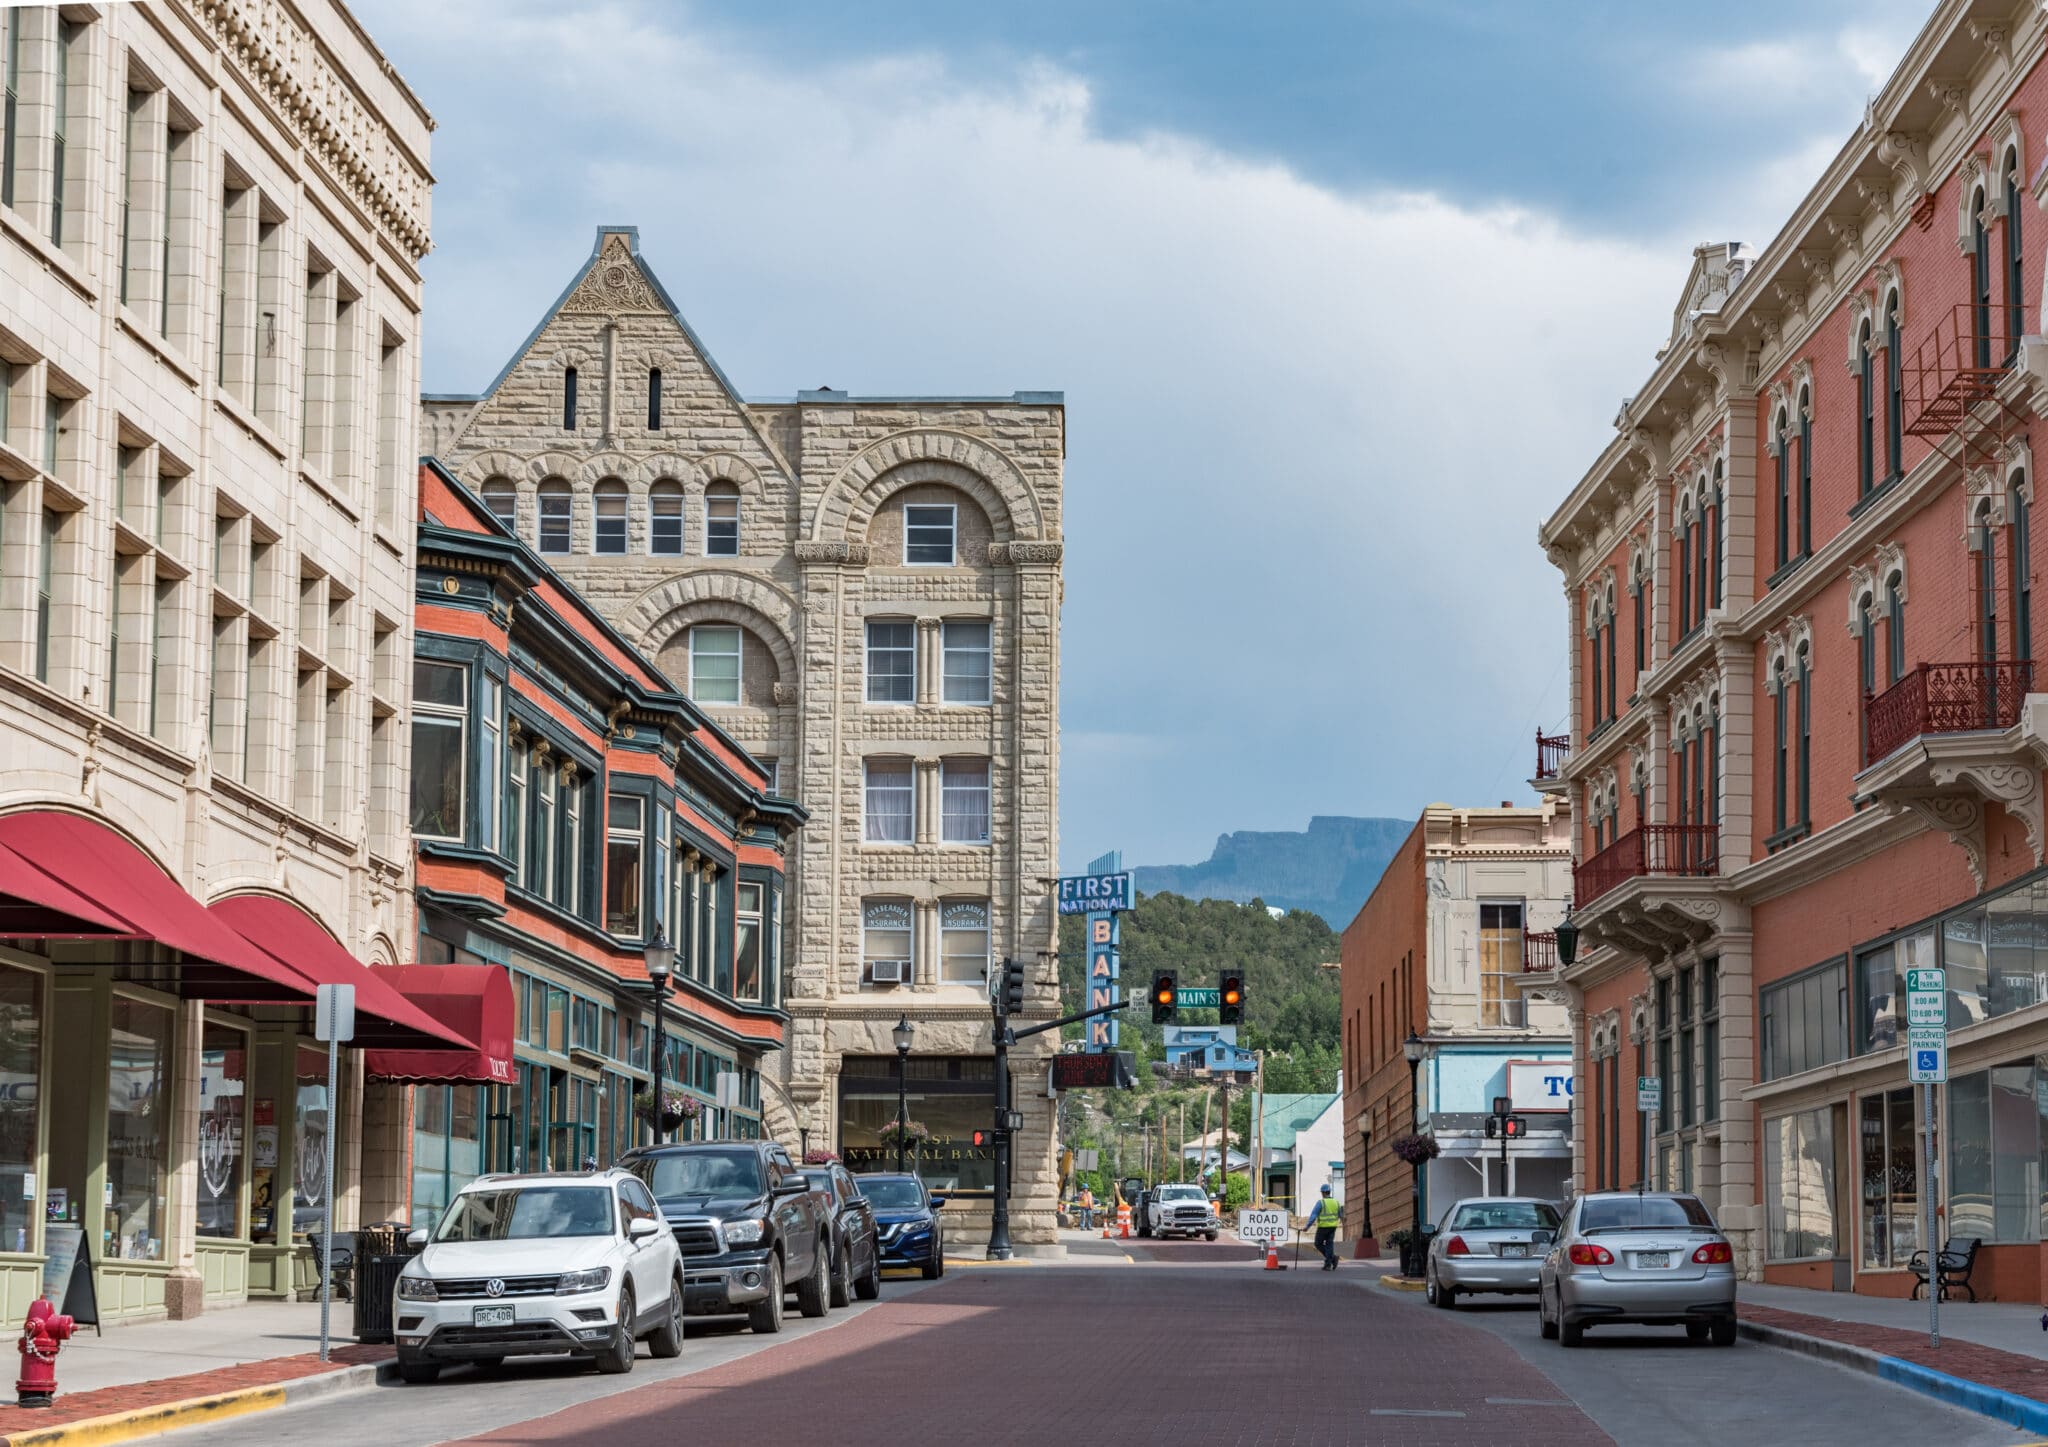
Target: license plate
493,1316
1514,1251
1647,1259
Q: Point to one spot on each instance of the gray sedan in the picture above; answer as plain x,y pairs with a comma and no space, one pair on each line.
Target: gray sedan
1488,1243
1653,1258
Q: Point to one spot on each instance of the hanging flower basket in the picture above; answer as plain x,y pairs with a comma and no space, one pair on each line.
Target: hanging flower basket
1416,1149
912,1133
816,1157
675,1108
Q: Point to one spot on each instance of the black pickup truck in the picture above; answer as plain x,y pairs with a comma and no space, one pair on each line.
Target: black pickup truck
748,1224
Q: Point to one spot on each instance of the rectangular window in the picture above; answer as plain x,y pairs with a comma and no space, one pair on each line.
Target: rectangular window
928,534
963,801
654,399
223,1130
963,942
1710,1039
722,522
1799,1185
665,521
139,1115
1686,1039
46,572
60,128
545,784
569,400
487,765
624,849
515,812
1993,1155
1890,1143
1663,1022
610,535
966,649
1803,1021
10,61
892,661
21,1005
715,665
1500,965
746,973
440,702
888,807
885,940
569,886
554,519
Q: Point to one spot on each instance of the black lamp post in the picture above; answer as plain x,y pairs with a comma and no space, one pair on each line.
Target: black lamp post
901,1035
1413,1049
661,963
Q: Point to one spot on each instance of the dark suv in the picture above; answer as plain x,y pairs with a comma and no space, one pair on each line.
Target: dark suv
747,1223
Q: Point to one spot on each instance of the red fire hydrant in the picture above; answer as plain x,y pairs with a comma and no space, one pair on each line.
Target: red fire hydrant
42,1336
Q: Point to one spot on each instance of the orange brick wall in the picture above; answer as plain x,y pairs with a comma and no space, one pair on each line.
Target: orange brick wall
1384,973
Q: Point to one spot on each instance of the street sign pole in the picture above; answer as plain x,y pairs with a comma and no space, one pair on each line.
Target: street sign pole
1649,1100
1927,1220
1927,1067
334,1020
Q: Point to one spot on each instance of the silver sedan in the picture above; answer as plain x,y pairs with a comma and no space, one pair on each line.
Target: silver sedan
1652,1258
1488,1243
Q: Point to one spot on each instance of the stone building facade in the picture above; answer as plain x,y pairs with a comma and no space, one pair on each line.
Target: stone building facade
1808,743
211,223
864,593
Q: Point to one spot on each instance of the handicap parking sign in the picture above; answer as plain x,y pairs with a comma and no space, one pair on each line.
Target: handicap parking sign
1927,1060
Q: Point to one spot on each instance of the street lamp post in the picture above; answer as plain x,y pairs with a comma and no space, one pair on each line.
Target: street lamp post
1412,1048
901,1035
661,962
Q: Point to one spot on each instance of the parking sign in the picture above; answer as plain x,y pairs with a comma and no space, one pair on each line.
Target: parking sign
1927,1026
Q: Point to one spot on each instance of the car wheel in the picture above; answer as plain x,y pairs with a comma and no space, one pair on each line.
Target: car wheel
842,1278
1208,1235
934,1265
1571,1333
1695,1331
764,1317
869,1286
1724,1333
666,1340
814,1292
1545,1327
617,1358
419,1374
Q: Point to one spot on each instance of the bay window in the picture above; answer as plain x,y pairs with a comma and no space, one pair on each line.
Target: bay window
746,982
624,848
440,717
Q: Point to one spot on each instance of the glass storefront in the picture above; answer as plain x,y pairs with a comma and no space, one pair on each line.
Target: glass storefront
135,1220
447,1146
309,1140
1799,1182
223,1131
21,1060
1890,1205
951,1098
1998,1139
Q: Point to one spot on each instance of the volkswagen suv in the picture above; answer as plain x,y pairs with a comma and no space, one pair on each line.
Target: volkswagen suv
532,1265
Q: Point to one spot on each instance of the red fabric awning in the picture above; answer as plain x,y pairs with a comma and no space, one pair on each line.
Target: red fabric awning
38,906
474,1001
295,939
87,864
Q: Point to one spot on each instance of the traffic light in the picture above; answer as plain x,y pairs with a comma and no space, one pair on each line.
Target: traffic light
1010,994
1514,1127
1165,997
984,1138
1230,998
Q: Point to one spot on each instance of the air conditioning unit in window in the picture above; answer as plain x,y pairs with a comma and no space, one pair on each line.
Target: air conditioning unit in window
889,972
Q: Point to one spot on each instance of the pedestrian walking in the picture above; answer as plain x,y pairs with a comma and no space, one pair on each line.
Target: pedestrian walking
1087,1209
1326,1218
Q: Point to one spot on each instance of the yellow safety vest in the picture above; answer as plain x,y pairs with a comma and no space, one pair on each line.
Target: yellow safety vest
1327,1213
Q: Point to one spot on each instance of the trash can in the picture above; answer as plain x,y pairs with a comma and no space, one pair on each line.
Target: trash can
381,1254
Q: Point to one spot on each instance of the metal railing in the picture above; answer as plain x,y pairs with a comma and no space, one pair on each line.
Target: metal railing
1956,368
1539,951
1551,752
1683,850
1944,698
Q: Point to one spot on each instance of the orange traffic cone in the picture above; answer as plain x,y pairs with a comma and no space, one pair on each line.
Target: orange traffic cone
1105,1225
1273,1257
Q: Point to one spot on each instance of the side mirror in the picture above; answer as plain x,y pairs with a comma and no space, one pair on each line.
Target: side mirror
416,1239
793,1186
1542,1238
938,1203
642,1228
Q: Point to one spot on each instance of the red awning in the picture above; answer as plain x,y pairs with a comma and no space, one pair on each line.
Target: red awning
38,906
71,862
296,940
474,1001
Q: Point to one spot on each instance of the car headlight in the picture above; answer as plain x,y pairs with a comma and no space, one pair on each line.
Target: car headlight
744,1233
417,1288
595,1279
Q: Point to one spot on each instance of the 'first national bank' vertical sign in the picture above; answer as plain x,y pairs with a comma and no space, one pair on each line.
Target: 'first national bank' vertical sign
1100,895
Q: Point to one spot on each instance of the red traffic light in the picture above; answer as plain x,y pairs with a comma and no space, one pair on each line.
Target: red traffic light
1514,1127
982,1137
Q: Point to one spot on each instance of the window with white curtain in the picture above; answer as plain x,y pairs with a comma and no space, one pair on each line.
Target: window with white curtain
963,801
888,808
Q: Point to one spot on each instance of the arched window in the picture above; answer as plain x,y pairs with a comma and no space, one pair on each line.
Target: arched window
1866,415
502,498
554,516
721,520
569,400
1685,525
654,399
1980,276
610,534
1805,472
1987,585
2015,265
1782,514
1637,587
1595,698
1895,390
2020,563
1866,665
1699,775
1805,737
1712,752
1611,668
1702,530
665,517
1895,628
1780,755
1720,530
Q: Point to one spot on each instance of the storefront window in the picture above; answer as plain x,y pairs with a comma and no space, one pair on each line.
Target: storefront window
447,1146
309,1141
1804,1020
1994,1154
1799,1183
952,1098
21,1060
138,1131
223,1128
1891,1178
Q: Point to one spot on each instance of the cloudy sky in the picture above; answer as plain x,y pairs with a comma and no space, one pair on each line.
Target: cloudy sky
1343,299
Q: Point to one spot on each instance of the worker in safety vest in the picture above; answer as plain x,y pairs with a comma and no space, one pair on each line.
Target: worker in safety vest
1326,1217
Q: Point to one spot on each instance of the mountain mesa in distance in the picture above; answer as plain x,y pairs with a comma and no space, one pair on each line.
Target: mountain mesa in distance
1329,870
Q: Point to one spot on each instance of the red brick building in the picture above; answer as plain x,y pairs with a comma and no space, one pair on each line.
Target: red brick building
1808,747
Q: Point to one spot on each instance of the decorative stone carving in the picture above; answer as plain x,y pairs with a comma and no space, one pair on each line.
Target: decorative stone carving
1025,552
2015,784
614,285
852,554
784,694
1961,817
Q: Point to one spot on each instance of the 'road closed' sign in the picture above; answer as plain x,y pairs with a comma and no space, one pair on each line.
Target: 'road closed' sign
1262,1225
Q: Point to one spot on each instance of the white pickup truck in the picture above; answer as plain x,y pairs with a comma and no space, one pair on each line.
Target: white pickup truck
1180,1210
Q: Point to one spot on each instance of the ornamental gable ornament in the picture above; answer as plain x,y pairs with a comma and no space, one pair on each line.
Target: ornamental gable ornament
615,285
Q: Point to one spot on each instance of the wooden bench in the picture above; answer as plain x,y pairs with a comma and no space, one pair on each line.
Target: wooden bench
1953,1265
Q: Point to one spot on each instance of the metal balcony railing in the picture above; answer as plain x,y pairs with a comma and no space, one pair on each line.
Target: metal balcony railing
1944,698
1551,752
1956,369
1539,951
1683,850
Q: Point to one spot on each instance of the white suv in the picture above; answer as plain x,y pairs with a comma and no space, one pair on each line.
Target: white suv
526,1265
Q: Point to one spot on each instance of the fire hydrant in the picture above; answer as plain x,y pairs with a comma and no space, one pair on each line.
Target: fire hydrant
42,1336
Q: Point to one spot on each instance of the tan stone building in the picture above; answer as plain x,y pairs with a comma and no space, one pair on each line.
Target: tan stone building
865,593
211,221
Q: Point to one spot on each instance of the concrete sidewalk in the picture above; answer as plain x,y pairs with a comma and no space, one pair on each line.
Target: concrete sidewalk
229,1337
2004,1326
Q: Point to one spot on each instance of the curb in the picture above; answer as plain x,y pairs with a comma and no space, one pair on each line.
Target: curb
1401,1283
2011,1408
197,1411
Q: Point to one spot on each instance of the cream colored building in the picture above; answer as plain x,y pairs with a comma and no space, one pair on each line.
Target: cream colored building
865,593
211,223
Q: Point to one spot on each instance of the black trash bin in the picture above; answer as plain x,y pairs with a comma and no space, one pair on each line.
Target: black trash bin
381,1254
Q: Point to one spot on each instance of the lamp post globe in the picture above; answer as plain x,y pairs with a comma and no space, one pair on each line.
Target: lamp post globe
901,1036
660,957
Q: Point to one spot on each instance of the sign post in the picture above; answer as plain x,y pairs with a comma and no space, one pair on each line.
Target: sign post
334,1020
1927,1067
1649,1100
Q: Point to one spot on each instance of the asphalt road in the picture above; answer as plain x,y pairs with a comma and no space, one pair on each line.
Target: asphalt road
1151,1343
